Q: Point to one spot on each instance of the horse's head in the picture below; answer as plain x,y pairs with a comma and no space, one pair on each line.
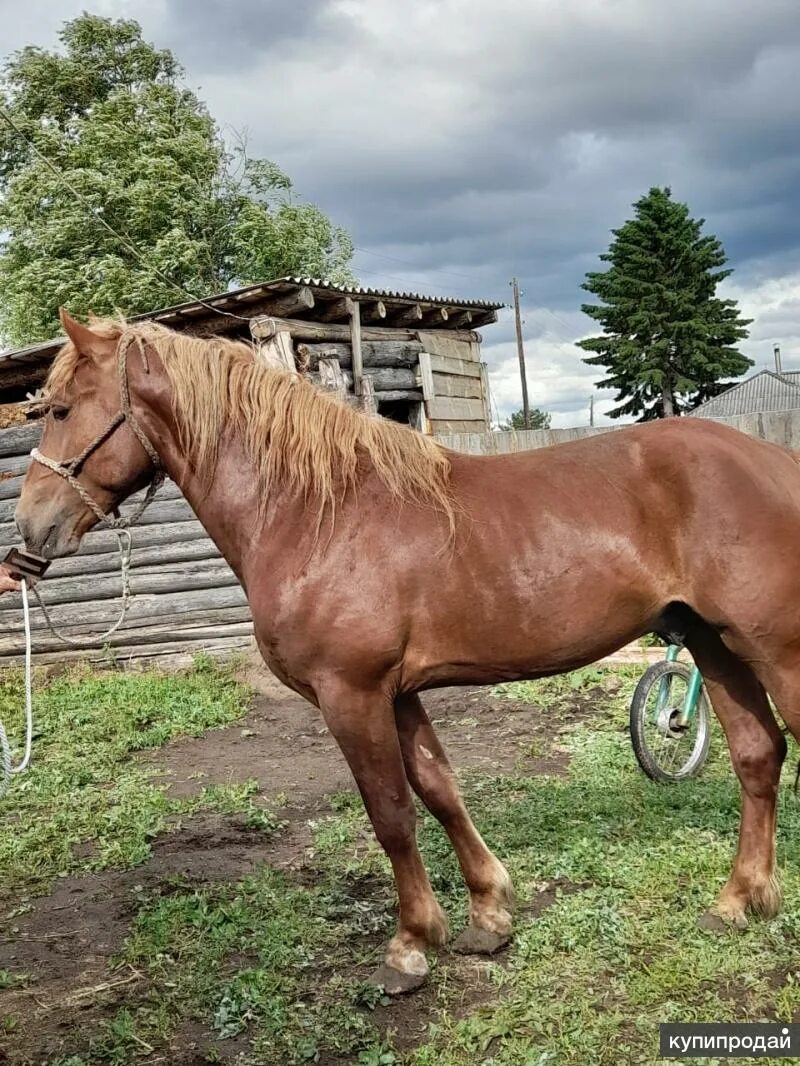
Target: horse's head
84,399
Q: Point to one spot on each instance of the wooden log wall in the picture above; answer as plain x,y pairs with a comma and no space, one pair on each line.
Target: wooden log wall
450,386
186,597
442,371
390,366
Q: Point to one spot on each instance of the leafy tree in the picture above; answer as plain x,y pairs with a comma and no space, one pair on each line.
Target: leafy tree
537,420
142,153
668,340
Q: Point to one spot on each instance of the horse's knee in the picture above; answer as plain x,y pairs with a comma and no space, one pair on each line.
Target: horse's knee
758,763
395,825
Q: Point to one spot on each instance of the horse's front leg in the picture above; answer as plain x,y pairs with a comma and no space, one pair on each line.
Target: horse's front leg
433,780
363,724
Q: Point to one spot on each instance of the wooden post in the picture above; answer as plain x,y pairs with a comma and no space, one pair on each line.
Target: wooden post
418,419
331,377
276,351
369,403
355,341
426,376
526,412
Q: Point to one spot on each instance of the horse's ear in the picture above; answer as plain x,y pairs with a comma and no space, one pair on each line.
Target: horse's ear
85,340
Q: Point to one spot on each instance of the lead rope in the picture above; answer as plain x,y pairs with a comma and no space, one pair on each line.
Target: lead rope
7,771
124,540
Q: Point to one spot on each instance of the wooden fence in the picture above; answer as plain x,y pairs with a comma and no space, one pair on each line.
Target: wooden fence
779,427
186,598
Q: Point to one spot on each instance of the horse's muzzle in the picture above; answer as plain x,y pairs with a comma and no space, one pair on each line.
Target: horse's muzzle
47,531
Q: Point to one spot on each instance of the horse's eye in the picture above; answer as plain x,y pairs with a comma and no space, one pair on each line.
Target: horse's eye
59,413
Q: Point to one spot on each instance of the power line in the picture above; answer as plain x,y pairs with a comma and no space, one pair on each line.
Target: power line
560,321
128,244
92,210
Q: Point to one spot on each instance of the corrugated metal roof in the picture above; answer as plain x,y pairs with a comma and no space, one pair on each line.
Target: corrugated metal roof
390,294
762,393
237,299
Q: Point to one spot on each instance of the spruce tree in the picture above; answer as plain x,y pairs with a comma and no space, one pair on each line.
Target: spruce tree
669,341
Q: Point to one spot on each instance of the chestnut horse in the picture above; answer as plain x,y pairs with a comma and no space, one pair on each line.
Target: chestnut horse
378,564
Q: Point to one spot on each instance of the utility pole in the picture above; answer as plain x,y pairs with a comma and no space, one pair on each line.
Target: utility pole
591,410
526,411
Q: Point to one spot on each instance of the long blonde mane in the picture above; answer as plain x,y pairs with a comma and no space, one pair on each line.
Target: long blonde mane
296,434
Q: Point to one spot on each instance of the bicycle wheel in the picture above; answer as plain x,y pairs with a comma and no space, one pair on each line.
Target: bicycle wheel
665,749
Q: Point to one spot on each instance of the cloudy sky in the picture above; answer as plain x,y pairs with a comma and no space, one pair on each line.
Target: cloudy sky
462,142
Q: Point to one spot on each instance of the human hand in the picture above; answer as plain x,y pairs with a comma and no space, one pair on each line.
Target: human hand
7,582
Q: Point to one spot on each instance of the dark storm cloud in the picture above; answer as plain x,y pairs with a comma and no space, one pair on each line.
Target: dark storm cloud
218,35
555,124
462,142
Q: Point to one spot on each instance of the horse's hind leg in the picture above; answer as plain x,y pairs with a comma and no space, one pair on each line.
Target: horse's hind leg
364,727
757,749
433,780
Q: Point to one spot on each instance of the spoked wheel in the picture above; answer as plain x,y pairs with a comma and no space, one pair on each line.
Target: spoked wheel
667,747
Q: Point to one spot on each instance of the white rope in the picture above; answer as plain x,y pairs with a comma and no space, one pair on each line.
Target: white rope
6,768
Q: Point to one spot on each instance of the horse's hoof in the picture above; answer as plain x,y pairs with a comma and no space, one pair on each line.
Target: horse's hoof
715,923
475,941
394,982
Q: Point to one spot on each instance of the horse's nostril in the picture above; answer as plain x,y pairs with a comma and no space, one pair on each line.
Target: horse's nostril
35,537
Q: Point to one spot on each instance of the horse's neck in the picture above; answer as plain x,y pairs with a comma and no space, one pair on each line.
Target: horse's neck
230,508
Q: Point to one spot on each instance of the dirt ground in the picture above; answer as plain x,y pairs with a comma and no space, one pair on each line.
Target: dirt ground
68,939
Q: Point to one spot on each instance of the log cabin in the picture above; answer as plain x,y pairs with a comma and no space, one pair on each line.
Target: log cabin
415,359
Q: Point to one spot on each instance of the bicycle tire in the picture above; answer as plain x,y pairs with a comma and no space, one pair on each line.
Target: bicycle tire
645,756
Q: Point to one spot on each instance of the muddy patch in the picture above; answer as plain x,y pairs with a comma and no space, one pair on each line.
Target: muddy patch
284,746
62,945
468,987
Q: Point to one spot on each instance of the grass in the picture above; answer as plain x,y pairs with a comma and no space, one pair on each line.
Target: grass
273,966
87,788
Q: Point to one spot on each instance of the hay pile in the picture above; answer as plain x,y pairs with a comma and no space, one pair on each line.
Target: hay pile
13,414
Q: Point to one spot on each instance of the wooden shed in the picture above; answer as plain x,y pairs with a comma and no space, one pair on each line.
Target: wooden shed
411,358
418,356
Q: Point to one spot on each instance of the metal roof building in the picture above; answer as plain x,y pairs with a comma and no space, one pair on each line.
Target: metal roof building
415,358
764,392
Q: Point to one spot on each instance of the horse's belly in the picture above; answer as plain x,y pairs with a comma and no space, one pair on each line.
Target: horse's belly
508,634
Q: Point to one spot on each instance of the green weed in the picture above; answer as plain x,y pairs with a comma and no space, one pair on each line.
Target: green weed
84,784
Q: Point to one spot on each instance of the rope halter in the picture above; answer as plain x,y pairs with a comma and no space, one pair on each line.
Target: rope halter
70,468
